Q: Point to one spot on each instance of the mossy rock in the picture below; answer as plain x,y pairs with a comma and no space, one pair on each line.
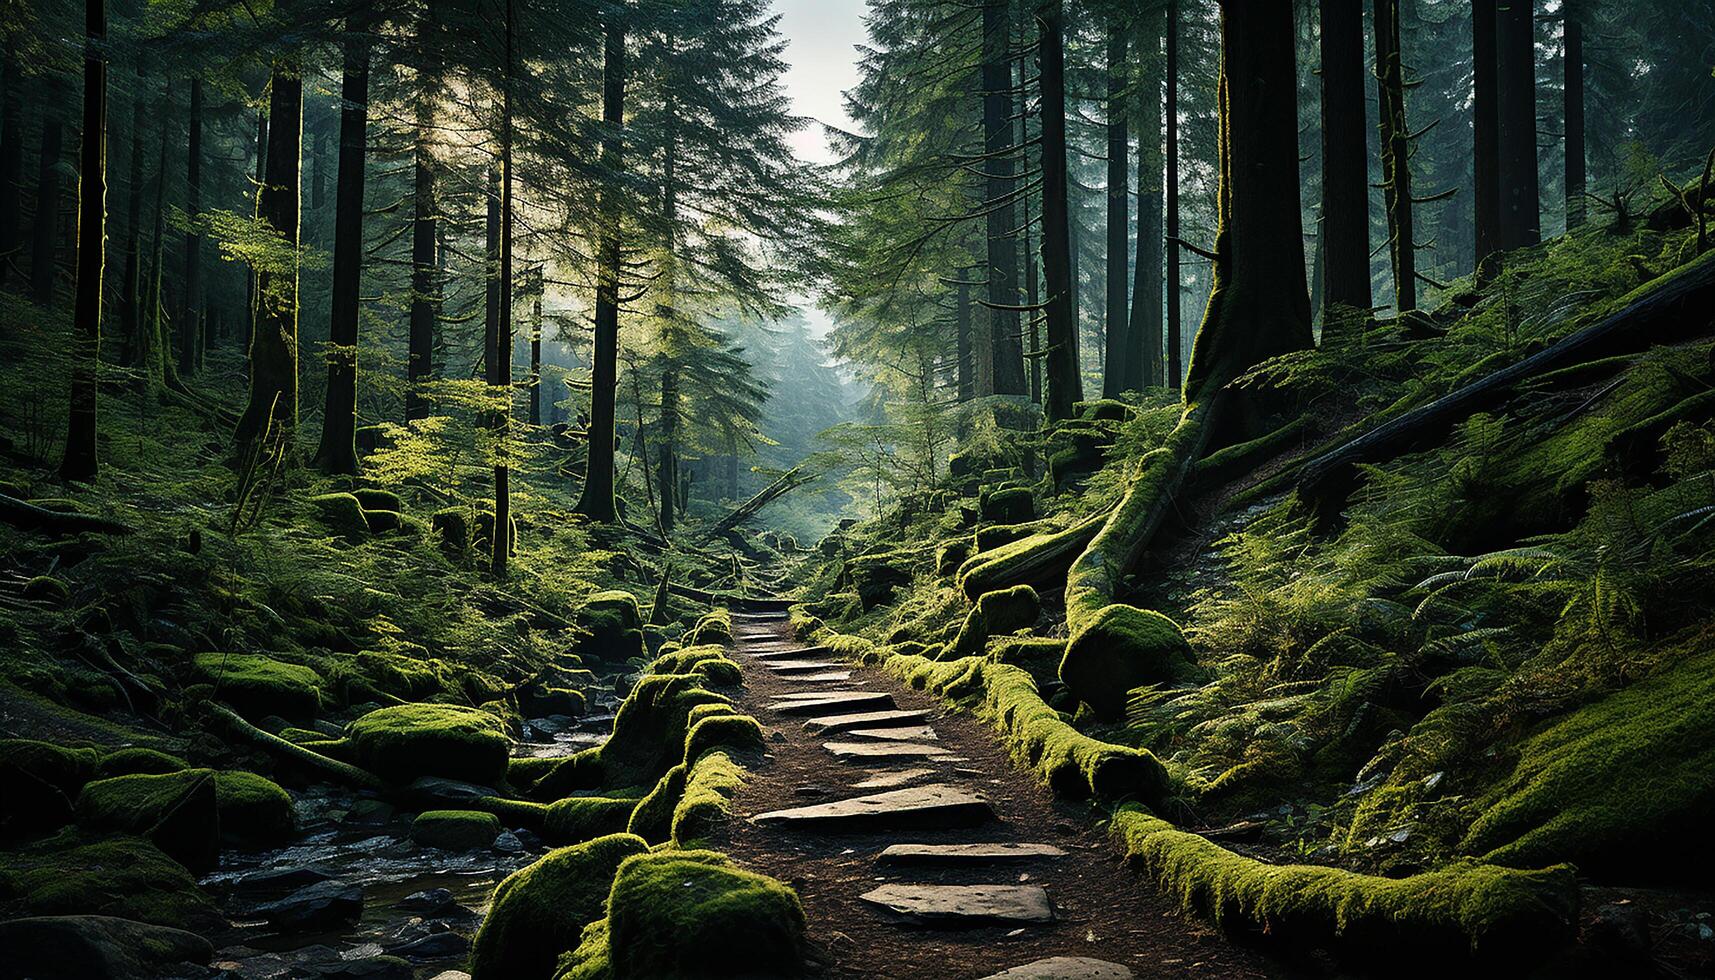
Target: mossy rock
258,686
652,819
710,784
1623,787
694,914
712,627
411,678
724,730
375,499
46,588
1037,655
580,818
482,533
1006,505
540,912
875,577
455,830
950,555
452,526
545,699
709,661
62,767
1103,410
99,946
406,741
381,520
997,612
122,876
251,810
254,810
138,761
341,513
614,621
650,727
1120,648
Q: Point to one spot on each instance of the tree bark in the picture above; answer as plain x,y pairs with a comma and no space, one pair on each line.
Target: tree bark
1515,49
250,304
273,400
1065,386
43,269
1144,367
597,501
536,348
502,536
1396,154
1033,331
963,370
1117,358
131,288
1485,144
1345,233
81,458
1004,345
424,282
11,161
1175,313
338,450
190,315
1573,88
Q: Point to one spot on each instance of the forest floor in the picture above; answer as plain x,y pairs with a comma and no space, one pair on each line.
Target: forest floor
1102,909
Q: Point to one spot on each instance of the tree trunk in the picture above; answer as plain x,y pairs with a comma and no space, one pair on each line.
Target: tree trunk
1144,359
250,303
597,501
80,460
491,281
668,467
536,348
274,342
1345,233
1117,372
502,536
1065,387
338,450
131,288
424,283
1175,344
190,315
1033,332
1396,154
963,370
1515,49
42,258
1485,143
1573,88
1004,346
11,161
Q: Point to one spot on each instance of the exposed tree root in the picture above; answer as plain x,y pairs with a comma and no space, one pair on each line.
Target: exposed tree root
29,517
340,772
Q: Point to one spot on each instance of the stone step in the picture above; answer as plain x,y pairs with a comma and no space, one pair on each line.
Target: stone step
832,675
934,807
800,666
965,905
1066,968
834,702
966,854
867,719
890,778
787,653
911,733
804,695
870,751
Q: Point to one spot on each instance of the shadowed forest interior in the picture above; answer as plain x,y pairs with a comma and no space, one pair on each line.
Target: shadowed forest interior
1081,489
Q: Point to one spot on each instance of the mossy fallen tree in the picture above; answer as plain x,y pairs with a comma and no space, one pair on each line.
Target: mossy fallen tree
1497,915
1671,308
995,613
26,516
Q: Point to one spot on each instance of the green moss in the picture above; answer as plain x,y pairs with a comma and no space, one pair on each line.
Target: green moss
1039,656
708,660
613,621
1006,505
411,678
649,728
1103,410
120,876
1623,787
727,730
46,588
455,830
714,626
62,767
1038,558
131,761
581,818
1123,647
950,555
875,577
710,785
1499,914
993,536
452,525
652,820
341,513
252,810
677,915
258,685
540,912
403,742
1001,611
375,499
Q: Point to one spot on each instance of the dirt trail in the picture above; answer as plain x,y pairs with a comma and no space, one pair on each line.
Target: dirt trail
1100,908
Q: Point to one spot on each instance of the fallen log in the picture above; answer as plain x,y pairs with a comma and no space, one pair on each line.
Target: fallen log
1671,308
27,516
788,481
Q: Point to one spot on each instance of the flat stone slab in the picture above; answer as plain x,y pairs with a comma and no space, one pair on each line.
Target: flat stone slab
800,666
867,719
864,751
787,653
911,733
889,778
1066,968
967,854
965,905
832,675
805,695
835,702
936,806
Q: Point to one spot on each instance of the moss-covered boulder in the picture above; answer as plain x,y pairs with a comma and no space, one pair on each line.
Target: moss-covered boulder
998,612
249,809
375,499
1103,410
258,686
714,626
253,810
682,914
120,876
133,761
342,514
540,912
580,818
650,727
178,812
613,621
950,555
48,590
402,742
1006,505
452,526
1120,648
104,946
708,660
455,830
875,577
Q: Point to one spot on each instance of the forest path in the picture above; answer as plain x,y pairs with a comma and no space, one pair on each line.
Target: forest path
1034,880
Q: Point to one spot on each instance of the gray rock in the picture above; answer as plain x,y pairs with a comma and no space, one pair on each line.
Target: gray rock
921,807
327,903
789,667
890,778
430,903
834,702
90,946
434,946
963,854
962,905
508,843
913,733
864,751
866,719
1066,968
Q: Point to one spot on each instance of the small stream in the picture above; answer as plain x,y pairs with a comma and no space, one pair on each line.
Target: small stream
354,887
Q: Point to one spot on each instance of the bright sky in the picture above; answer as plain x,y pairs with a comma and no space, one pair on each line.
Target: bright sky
823,64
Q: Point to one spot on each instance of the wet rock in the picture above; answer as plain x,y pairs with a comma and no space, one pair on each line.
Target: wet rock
963,854
965,905
370,813
90,946
327,903
1619,931
430,904
922,807
434,946
367,968
526,838
455,830
508,842
282,879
